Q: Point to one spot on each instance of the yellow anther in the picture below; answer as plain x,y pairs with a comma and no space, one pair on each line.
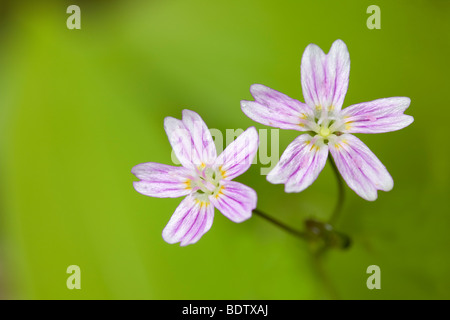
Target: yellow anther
222,172
220,191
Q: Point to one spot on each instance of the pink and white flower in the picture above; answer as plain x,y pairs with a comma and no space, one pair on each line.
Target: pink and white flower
326,126
204,178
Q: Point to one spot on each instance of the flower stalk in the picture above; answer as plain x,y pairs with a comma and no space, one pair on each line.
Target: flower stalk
281,225
318,232
341,193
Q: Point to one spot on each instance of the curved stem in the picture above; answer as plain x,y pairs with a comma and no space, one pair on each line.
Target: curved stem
323,276
341,192
281,225
315,228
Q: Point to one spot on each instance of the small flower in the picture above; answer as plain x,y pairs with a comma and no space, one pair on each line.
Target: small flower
326,126
204,178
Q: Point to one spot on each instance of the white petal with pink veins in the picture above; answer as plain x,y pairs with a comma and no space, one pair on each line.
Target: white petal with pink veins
325,77
359,167
300,164
275,109
161,180
190,221
191,140
238,155
382,115
235,201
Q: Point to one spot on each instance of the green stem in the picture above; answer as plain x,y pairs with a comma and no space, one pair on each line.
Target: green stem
341,193
316,229
281,225
323,276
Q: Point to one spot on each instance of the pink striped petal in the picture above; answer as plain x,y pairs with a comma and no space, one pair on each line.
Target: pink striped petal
201,136
161,180
190,221
300,164
275,109
190,139
325,77
235,201
359,167
382,115
238,155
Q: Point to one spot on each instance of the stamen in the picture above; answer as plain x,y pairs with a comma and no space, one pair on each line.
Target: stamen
207,183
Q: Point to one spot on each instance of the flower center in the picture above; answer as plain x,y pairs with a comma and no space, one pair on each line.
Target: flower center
207,183
323,124
324,131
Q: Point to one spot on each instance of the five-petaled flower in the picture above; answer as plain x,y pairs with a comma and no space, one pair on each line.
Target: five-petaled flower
326,126
204,178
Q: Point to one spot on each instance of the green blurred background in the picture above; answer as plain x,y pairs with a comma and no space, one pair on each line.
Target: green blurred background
80,108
